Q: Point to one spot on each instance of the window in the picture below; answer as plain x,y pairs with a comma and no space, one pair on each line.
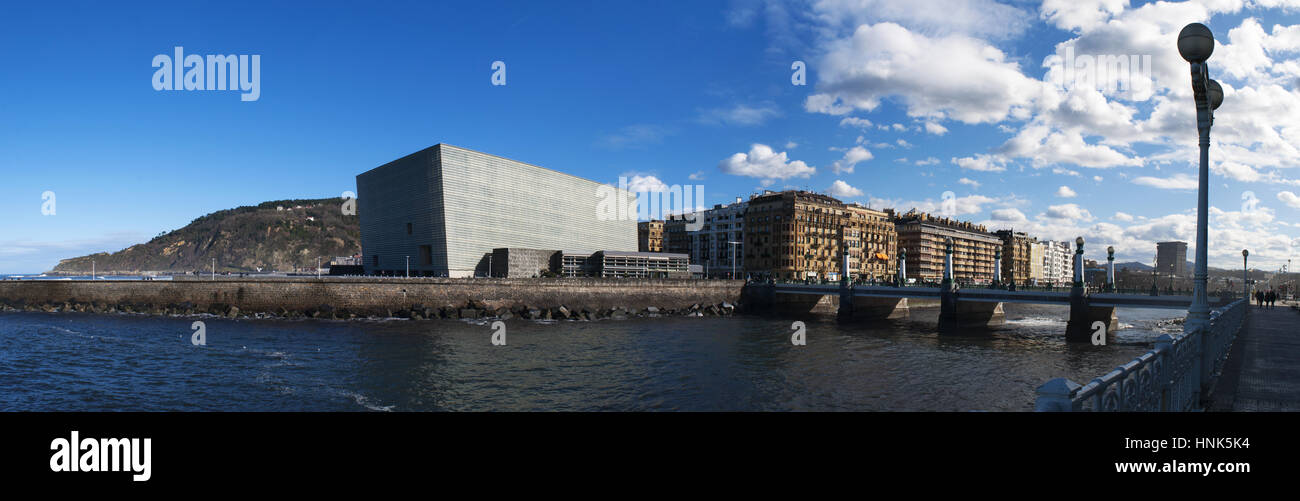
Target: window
408,228
374,260
426,255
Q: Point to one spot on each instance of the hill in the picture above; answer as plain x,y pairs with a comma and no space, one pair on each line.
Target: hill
279,235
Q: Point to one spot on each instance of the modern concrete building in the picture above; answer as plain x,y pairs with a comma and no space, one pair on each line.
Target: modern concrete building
443,209
1171,258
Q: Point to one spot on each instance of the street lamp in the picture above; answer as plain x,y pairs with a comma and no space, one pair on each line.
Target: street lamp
1245,276
733,258
1196,44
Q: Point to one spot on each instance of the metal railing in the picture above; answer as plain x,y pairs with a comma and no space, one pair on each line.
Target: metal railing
1170,377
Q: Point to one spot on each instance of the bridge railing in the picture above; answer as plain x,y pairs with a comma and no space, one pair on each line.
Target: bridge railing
1167,378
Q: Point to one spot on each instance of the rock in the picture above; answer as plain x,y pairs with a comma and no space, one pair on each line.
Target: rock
728,306
506,315
232,312
469,313
653,310
562,312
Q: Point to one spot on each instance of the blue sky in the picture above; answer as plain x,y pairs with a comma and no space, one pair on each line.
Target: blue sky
667,92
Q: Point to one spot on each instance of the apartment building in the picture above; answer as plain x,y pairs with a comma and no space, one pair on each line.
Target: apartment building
924,237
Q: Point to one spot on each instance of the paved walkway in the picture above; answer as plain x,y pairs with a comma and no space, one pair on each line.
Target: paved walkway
1263,371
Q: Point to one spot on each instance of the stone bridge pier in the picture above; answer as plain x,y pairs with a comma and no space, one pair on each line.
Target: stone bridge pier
874,308
961,317
1086,320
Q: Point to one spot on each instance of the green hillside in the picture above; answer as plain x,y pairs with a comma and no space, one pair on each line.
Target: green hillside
279,235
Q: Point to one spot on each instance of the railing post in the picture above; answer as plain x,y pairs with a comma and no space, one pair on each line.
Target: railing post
1056,395
1165,347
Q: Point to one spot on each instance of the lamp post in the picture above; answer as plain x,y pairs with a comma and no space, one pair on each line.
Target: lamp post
902,267
997,268
1195,45
1246,277
733,258
947,264
1110,268
1078,263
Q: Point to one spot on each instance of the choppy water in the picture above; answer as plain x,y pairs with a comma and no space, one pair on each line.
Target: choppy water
85,362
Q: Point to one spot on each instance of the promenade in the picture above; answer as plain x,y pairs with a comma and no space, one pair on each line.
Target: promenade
1263,371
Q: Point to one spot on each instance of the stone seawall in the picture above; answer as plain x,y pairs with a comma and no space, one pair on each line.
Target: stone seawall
347,297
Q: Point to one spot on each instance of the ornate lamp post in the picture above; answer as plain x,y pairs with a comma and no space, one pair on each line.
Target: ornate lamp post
902,267
1110,268
1195,44
947,264
1245,276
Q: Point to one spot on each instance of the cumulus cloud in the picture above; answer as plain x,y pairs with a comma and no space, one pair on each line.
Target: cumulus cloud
764,163
1009,215
841,189
1065,192
646,183
851,158
969,182
1289,198
953,76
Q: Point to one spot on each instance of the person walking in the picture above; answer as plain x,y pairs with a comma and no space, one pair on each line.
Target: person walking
1259,299
1270,298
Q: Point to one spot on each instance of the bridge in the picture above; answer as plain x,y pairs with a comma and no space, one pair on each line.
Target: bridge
964,310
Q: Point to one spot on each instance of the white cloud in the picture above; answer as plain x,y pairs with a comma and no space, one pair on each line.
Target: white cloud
855,122
935,128
790,145
697,176
981,162
953,76
1068,211
1009,215
741,114
761,162
851,158
1290,199
646,183
926,161
1123,216
841,189
1066,192
969,182
1175,182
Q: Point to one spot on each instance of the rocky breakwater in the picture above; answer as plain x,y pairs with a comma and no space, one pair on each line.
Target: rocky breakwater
351,298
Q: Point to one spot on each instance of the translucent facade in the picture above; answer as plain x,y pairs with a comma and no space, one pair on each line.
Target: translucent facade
443,209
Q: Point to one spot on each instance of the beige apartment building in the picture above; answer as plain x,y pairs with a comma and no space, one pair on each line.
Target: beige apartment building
923,236
794,235
650,236
871,242
1017,256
